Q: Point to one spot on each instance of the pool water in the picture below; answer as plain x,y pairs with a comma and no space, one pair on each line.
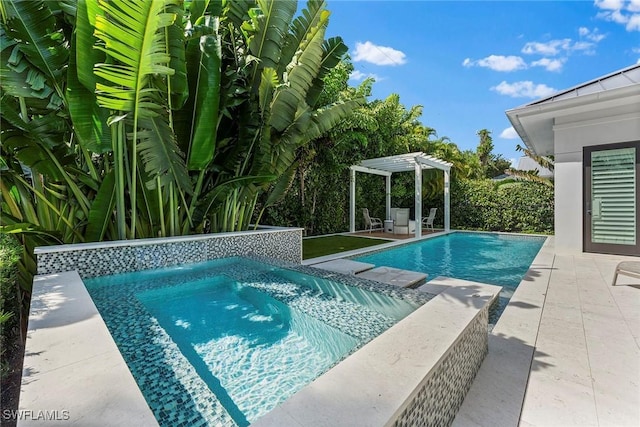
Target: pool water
224,342
495,259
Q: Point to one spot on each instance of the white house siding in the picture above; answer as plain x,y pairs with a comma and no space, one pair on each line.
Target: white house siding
571,134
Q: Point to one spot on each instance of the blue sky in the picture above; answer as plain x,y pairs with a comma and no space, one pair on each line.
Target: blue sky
466,62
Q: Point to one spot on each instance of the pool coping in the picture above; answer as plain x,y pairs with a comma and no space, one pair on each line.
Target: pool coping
498,392
73,370
395,379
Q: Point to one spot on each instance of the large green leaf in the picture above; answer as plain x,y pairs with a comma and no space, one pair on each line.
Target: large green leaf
301,26
42,43
178,81
17,76
83,52
101,213
302,71
161,155
205,56
89,120
308,61
132,33
270,23
333,52
268,84
279,189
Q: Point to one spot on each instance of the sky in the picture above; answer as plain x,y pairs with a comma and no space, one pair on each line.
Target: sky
467,62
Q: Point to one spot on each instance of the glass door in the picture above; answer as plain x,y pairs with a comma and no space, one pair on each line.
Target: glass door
611,216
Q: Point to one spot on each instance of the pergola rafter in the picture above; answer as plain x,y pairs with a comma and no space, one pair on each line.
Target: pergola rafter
387,166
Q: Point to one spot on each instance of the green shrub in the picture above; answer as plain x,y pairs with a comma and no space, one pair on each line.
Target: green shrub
9,298
526,207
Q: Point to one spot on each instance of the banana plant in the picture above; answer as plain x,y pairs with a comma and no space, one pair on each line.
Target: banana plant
276,115
156,118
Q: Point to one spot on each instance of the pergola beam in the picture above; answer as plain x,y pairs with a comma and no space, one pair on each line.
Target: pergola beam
370,170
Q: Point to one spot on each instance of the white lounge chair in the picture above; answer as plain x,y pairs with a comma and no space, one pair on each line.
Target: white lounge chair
627,268
371,223
427,222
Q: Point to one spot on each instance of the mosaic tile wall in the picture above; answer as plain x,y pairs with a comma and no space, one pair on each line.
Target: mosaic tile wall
437,402
284,245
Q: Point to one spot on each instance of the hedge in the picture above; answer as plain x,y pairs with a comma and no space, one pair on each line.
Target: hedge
526,207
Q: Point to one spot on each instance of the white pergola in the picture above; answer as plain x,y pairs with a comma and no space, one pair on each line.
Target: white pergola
386,166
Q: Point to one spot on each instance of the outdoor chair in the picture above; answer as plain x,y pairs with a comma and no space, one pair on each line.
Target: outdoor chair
371,223
627,268
401,220
427,222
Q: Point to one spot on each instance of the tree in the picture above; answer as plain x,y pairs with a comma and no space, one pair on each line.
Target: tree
155,118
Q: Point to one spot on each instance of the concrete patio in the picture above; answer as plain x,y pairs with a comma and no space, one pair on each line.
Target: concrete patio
566,350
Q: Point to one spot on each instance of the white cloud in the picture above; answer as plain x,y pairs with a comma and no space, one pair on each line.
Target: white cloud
549,64
638,61
593,35
509,133
359,75
609,4
624,12
634,23
497,63
550,48
555,47
523,89
378,55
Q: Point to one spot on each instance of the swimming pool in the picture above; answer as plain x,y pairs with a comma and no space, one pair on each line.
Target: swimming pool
492,258
225,341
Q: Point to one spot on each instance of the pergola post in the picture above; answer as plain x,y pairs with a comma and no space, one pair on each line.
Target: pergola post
352,200
447,201
388,196
418,200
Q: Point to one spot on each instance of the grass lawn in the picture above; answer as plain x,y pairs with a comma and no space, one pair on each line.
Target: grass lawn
320,246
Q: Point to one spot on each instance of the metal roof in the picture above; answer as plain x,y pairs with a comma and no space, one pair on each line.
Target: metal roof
405,163
534,122
528,164
621,78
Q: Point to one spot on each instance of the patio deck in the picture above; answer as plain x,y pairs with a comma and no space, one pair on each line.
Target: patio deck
566,351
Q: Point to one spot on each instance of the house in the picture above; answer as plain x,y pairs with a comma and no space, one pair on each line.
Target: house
593,132
528,164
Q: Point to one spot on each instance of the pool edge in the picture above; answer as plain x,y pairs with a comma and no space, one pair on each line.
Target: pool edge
73,370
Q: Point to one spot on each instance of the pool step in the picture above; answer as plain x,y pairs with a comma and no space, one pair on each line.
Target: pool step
395,276
344,266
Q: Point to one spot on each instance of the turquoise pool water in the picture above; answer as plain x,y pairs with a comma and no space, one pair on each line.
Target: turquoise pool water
224,342
496,259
